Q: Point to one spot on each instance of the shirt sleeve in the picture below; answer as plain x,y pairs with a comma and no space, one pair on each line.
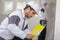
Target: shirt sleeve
13,27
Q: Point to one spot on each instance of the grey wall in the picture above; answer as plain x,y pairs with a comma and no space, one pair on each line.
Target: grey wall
51,19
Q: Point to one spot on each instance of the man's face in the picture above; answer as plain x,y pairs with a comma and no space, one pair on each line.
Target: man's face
30,13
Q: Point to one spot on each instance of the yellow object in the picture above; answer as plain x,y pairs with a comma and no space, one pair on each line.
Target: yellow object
35,38
36,31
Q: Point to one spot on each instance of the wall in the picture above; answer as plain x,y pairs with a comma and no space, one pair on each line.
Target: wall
57,22
51,19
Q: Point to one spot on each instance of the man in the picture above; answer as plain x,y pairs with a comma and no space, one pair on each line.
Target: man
15,24
43,19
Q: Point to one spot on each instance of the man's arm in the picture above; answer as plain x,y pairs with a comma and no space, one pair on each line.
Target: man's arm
13,27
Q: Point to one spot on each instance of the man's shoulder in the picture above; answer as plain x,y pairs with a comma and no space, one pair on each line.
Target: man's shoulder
16,12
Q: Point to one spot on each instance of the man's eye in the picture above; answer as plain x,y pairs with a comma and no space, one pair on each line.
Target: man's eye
33,13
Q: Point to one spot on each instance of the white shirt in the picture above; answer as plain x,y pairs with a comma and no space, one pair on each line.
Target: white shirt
9,30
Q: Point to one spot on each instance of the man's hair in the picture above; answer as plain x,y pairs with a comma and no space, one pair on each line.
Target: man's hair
28,6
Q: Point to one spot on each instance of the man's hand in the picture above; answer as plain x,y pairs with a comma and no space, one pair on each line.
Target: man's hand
29,36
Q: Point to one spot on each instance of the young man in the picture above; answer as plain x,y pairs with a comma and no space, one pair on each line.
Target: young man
15,24
43,20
